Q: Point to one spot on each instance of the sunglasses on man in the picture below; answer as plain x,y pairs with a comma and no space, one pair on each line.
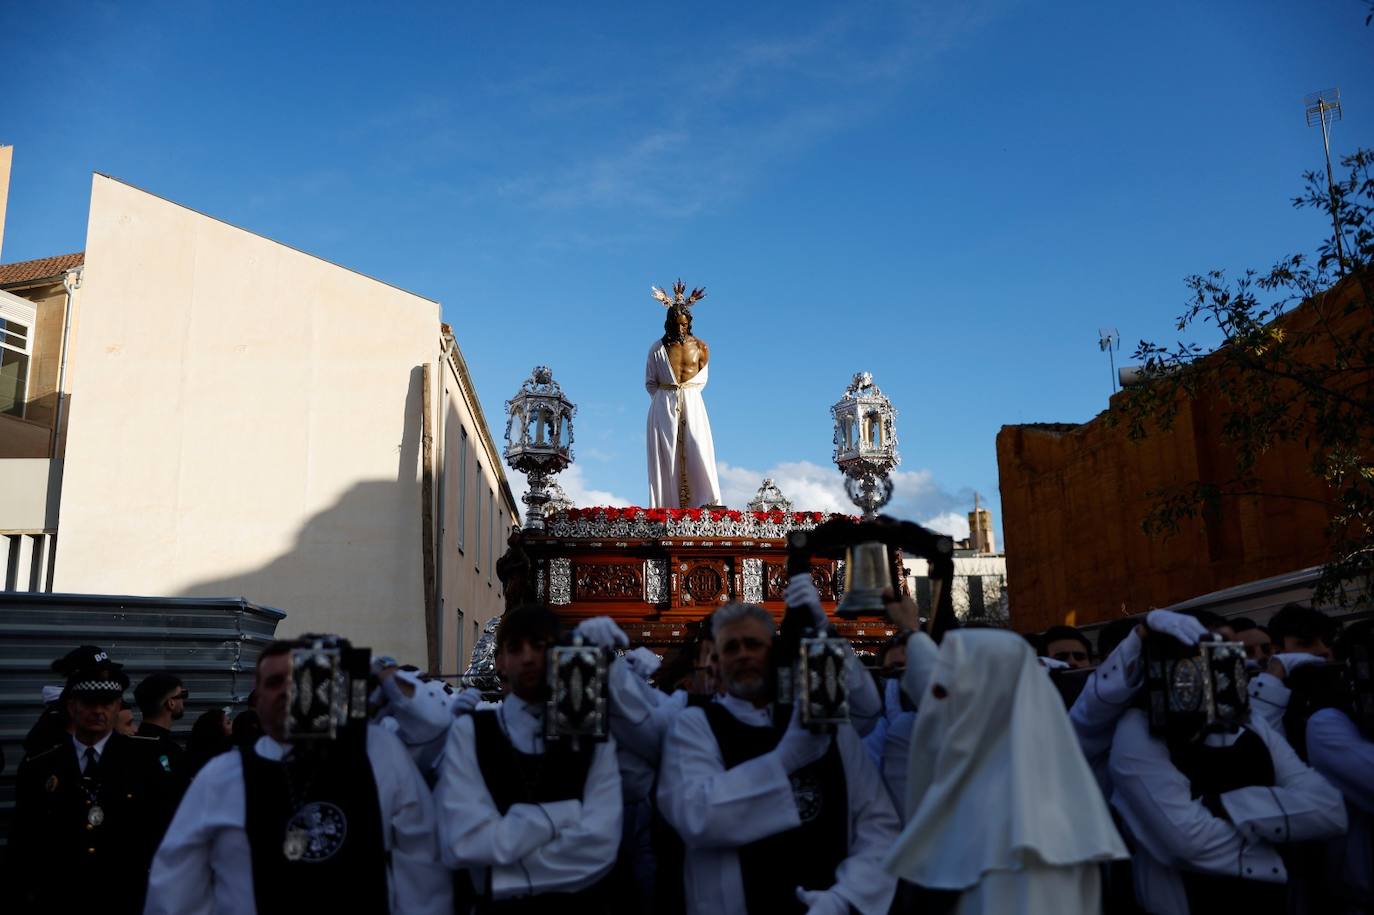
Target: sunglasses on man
1067,656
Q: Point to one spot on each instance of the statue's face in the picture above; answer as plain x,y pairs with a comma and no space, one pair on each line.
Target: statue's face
683,324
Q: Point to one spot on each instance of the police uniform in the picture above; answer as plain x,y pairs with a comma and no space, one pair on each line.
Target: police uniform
87,820
173,756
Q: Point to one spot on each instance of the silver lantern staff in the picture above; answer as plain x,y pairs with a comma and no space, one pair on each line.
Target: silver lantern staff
866,443
539,438
866,453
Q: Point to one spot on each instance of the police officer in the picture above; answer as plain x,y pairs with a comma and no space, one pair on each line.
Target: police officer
95,804
52,727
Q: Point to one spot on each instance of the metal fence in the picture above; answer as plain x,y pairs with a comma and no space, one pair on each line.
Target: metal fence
212,644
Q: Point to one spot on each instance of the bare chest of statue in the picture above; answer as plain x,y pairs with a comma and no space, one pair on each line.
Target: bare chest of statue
687,358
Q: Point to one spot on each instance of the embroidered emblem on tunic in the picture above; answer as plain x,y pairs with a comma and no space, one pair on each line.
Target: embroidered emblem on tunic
316,832
807,791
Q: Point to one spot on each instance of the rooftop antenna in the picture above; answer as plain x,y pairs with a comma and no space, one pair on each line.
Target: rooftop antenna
1109,341
1324,107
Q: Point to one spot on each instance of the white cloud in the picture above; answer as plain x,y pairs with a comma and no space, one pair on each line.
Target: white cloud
574,483
811,487
802,84
952,523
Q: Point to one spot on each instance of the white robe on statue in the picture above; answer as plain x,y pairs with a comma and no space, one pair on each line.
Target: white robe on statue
675,408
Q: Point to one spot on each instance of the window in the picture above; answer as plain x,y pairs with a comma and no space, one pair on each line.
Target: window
477,550
462,662
16,347
491,533
462,486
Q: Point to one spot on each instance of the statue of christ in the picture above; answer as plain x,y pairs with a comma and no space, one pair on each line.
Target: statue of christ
682,456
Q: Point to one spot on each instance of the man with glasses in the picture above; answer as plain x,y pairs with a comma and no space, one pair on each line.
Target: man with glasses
161,697
1067,645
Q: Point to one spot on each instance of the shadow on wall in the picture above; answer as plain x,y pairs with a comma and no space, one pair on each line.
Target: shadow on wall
356,567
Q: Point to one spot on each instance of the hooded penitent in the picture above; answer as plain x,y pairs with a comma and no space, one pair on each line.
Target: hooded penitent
996,780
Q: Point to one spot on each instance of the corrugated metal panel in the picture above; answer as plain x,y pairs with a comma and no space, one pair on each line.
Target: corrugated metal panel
212,644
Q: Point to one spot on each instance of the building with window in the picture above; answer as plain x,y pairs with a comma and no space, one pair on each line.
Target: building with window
190,409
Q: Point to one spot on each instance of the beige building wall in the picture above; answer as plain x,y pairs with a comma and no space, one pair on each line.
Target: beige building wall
475,518
246,421
6,159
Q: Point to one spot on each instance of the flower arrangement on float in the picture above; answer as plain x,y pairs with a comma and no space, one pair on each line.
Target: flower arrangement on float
664,515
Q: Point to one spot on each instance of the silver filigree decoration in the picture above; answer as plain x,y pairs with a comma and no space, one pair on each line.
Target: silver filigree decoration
703,528
560,581
769,498
539,438
865,440
753,580
558,500
481,672
656,581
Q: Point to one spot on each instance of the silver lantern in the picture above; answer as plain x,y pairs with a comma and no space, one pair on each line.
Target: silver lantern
539,438
866,443
866,453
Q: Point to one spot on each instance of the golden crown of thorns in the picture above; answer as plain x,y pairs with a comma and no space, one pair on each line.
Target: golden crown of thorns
679,297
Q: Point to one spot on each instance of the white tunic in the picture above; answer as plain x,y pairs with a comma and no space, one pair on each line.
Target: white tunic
1109,692
560,846
1172,829
675,407
421,720
204,866
716,810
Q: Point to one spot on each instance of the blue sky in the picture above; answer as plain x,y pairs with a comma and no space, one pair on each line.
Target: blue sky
953,196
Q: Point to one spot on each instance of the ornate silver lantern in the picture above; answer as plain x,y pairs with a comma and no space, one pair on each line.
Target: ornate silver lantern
769,498
866,453
539,438
866,443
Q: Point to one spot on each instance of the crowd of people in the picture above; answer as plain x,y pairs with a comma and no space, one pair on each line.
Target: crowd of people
1183,763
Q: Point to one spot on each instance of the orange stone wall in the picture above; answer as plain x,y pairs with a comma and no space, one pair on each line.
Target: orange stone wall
1073,498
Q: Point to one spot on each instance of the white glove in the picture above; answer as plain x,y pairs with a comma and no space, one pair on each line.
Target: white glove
1182,627
643,662
466,700
602,631
1052,664
822,902
801,593
1292,660
799,747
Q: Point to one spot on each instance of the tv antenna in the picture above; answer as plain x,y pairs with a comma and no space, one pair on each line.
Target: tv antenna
1109,341
1324,107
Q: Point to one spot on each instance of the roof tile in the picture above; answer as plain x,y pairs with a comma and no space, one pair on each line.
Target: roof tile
42,268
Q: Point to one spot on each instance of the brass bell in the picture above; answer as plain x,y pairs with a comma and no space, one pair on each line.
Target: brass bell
866,576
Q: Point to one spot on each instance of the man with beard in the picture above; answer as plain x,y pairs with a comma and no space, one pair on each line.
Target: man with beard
682,454
161,698
279,826
773,821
